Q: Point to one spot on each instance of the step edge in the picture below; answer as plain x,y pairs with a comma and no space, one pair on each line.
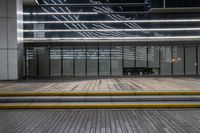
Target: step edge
4,94
101,106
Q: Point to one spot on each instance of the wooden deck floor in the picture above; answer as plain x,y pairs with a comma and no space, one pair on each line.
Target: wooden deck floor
100,121
104,84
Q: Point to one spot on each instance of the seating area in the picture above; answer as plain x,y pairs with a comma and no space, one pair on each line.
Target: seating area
104,84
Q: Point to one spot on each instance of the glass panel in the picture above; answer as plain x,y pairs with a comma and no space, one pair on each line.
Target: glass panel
116,60
199,60
37,62
141,56
153,60
190,60
157,3
31,62
178,60
43,62
104,61
129,56
80,61
165,60
68,58
92,61
102,20
55,57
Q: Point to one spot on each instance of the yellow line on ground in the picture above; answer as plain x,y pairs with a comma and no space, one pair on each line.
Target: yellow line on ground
95,106
7,94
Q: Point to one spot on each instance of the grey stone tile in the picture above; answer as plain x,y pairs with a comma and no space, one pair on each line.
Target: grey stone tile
3,65
3,33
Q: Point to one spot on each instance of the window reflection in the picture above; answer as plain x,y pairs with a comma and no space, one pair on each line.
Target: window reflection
113,60
55,61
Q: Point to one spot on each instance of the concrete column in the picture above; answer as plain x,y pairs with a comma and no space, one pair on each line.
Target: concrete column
11,43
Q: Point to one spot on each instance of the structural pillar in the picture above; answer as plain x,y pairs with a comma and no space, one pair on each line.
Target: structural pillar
11,43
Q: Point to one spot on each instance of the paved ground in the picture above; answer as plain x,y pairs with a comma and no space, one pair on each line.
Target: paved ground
100,121
104,84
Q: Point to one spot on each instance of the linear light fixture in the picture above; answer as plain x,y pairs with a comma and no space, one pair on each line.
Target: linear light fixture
89,13
60,13
37,2
115,38
121,21
108,30
102,4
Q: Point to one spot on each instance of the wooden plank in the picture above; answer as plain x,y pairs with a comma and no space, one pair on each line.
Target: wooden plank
102,84
92,121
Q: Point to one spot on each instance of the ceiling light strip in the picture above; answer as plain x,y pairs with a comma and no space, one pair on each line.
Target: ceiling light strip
37,2
102,4
60,13
122,21
116,38
108,30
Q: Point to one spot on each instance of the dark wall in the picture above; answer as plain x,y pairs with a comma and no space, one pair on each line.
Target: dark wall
157,3
175,3
182,3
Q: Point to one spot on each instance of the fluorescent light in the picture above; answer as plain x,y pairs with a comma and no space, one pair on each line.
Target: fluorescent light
37,2
92,4
115,38
109,30
60,13
122,21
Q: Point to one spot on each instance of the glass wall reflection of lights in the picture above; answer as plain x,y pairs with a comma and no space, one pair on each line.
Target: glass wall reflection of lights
64,38
112,61
60,20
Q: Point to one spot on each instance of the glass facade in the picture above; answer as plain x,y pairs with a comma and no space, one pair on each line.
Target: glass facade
104,61
112,38
55,62
100,20
190,60
112,61
31,62
154,59
80,61
67,61
178,60
116,60
42,62
129,56
92,61
166,60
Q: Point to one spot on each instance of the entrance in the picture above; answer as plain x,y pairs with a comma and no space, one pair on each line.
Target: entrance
137,71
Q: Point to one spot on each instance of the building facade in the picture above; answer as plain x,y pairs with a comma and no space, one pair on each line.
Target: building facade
112,38
64,38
